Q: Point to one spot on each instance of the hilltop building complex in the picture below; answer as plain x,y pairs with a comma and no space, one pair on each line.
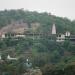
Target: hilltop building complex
27,32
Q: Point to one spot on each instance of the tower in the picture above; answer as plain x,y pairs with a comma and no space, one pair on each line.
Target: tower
53,32
0,57
53,29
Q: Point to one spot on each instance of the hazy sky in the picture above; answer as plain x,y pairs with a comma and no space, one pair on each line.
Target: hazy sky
63,8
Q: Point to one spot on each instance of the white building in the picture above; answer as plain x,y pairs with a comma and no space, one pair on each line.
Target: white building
0,57
3,36
67,33
60,38
20,35
9,58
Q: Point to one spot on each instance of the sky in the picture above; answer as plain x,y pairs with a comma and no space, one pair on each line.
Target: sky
62,8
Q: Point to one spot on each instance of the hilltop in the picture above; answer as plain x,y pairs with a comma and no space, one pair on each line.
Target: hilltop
20,18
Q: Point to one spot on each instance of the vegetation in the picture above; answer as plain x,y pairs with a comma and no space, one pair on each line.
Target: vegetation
45,19
53,58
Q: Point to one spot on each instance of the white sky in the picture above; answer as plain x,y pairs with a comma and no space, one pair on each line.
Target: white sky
63,8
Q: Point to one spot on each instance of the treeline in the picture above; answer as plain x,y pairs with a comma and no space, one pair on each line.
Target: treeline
53,58
18,67
45,19
68,69
43,51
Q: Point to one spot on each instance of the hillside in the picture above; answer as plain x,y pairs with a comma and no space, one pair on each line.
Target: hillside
16,28
7,17
53,58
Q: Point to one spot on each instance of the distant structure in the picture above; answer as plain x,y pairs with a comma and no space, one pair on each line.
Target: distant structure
18,30
27,60
9,58
0,57
53,29
3,36
67,33
60,38
28,64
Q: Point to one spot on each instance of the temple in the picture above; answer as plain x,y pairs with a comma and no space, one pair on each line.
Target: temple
61,37
54,29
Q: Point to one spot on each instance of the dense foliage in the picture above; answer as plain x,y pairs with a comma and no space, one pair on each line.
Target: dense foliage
45,19
52,57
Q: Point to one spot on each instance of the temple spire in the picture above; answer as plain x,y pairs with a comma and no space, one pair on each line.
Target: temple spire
53,29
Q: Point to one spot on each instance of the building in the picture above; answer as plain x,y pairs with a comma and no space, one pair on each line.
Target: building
61,37
53,29
10,58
